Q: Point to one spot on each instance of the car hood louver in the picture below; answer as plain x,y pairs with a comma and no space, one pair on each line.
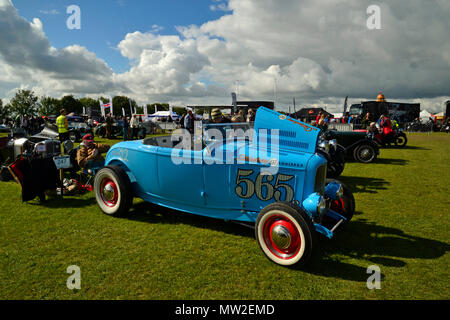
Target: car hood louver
293,134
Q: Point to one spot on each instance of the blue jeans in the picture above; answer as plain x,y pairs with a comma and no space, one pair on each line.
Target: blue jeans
125,134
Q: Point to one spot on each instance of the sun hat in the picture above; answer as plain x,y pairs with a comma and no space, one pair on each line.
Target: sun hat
216,113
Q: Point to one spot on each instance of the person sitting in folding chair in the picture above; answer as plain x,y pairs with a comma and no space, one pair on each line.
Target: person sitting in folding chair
90,153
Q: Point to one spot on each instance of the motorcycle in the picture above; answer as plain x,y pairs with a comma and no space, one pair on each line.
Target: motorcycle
396,137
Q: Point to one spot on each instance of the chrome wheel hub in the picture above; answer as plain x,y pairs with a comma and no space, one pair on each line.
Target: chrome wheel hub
281,237
109,192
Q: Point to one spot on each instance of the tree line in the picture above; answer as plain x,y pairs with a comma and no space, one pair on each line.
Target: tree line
26,102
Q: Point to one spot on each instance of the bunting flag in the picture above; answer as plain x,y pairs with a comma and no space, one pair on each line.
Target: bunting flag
112,112
131,108
102,109
345,105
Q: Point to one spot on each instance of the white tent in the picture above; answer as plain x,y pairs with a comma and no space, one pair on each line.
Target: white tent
162,114
425,115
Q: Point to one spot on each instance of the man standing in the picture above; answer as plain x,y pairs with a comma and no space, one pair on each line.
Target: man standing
63,126
109,122
134,124
189,122
125,127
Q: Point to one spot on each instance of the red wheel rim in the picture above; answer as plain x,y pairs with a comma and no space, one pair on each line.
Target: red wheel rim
109,192
281,237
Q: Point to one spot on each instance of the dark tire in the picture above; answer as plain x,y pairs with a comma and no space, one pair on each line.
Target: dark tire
345,207
285,234
401,140
365,153
337,166
113,193
101,132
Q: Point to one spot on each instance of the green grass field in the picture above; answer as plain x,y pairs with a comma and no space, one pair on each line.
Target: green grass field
401,225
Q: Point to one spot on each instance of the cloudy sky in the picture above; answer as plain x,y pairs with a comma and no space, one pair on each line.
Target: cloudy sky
199,51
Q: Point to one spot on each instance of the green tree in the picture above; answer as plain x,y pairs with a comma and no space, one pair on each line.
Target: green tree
89,103
120,102
25,103
4,110
71,105
140,110
179,110
159,106
49,106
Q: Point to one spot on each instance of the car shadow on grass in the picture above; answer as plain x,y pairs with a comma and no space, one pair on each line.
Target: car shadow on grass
398,162
413,148
63,202
364,184
375,244
152,213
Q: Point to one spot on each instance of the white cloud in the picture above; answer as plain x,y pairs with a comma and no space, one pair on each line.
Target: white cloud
29,59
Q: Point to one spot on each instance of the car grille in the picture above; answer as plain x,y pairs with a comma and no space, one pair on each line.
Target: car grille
319,183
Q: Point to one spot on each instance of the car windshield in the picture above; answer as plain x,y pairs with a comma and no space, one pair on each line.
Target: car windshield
214,132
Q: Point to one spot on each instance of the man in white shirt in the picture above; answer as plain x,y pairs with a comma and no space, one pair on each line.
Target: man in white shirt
134,125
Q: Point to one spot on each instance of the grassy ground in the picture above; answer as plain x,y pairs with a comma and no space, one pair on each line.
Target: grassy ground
401,225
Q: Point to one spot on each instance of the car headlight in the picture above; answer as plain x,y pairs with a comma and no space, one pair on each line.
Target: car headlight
314,204
324,145
333,144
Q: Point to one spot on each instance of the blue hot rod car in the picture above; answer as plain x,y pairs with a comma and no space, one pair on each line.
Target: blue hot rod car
275,181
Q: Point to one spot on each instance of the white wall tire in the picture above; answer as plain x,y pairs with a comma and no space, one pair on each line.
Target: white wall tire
113,191
285,234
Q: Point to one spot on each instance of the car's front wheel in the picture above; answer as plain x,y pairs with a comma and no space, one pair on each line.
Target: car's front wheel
365,153
285,234
112,189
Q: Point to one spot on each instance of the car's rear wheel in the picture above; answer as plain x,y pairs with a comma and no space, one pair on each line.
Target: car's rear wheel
285,234
112,189
365,153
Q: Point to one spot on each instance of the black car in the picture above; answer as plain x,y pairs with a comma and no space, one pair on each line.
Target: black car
357,145
77,130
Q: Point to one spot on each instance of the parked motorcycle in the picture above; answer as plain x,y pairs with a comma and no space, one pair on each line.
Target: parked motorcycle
397,137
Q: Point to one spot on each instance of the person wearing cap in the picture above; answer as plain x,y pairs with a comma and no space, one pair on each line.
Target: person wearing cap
91,152
218,117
